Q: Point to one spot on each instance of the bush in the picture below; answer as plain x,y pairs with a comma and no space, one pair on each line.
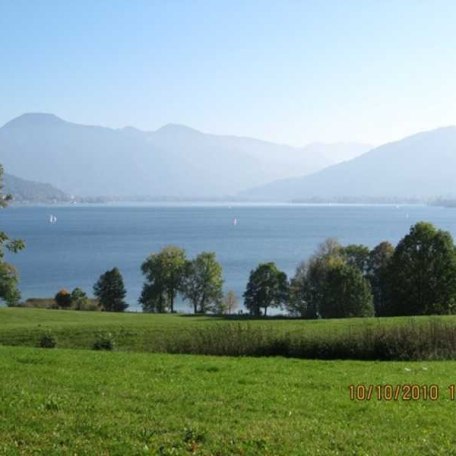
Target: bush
91,305
47,340
40,303
427,340
104,341
63,299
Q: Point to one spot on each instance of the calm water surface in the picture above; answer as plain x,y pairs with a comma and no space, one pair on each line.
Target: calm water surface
87,240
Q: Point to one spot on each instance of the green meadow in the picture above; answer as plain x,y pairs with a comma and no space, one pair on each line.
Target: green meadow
72,400
399,338
22,326
56,402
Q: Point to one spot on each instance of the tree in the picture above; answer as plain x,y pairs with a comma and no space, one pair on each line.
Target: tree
165,272
331,283
423,272
346,293
379,276
300,302
356,255
79,299
229,303
202,283
267,287
9,291
307,285
63,299
110,291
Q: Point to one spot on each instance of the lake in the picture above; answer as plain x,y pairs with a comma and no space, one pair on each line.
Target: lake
86,240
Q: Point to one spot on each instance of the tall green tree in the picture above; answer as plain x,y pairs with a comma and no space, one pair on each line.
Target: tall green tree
203,283
9,278
423,272
110,291
300,300
330,283
165,272
267,287
357,255
346,293
379,275
308,284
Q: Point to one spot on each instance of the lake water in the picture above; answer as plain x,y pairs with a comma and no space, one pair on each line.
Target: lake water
87,240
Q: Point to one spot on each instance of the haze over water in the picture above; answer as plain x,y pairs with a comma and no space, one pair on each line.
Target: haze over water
87,240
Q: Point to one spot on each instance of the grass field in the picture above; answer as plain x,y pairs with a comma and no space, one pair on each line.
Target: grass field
21,326
131,401
56,402
403,338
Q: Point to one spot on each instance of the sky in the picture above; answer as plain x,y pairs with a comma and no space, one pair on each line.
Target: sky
286,71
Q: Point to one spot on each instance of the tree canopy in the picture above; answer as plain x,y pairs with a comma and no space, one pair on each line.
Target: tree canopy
9,291
346,293
110,291
202,283
267,287
331,283
165,272
423,272
307,285
356,255
63,299
379,275
79,299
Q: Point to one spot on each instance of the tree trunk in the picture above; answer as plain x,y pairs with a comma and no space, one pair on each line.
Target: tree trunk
172,302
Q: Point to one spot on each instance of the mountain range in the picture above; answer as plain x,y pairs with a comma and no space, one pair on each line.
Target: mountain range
179,162
421,166
174,161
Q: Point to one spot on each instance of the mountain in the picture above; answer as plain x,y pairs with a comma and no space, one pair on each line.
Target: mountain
421,166
34,192
174,161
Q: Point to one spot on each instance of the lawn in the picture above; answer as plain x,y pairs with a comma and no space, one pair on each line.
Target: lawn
130,401
56,402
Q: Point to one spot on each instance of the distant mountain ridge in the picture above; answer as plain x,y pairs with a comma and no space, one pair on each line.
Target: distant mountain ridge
32,192
174,161
421,166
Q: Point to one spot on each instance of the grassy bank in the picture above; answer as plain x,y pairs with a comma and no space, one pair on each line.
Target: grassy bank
417,338
61,402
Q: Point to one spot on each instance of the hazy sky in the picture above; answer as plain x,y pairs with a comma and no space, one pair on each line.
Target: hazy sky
286,71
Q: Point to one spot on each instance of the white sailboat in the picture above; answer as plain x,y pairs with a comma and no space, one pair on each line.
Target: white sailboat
52,219
235,221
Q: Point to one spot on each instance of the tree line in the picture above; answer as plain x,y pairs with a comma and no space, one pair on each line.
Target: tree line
198,281
167,273
417,277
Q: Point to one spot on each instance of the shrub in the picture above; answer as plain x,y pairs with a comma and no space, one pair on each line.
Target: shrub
104,341
425,340
40,303
91,305
47,340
